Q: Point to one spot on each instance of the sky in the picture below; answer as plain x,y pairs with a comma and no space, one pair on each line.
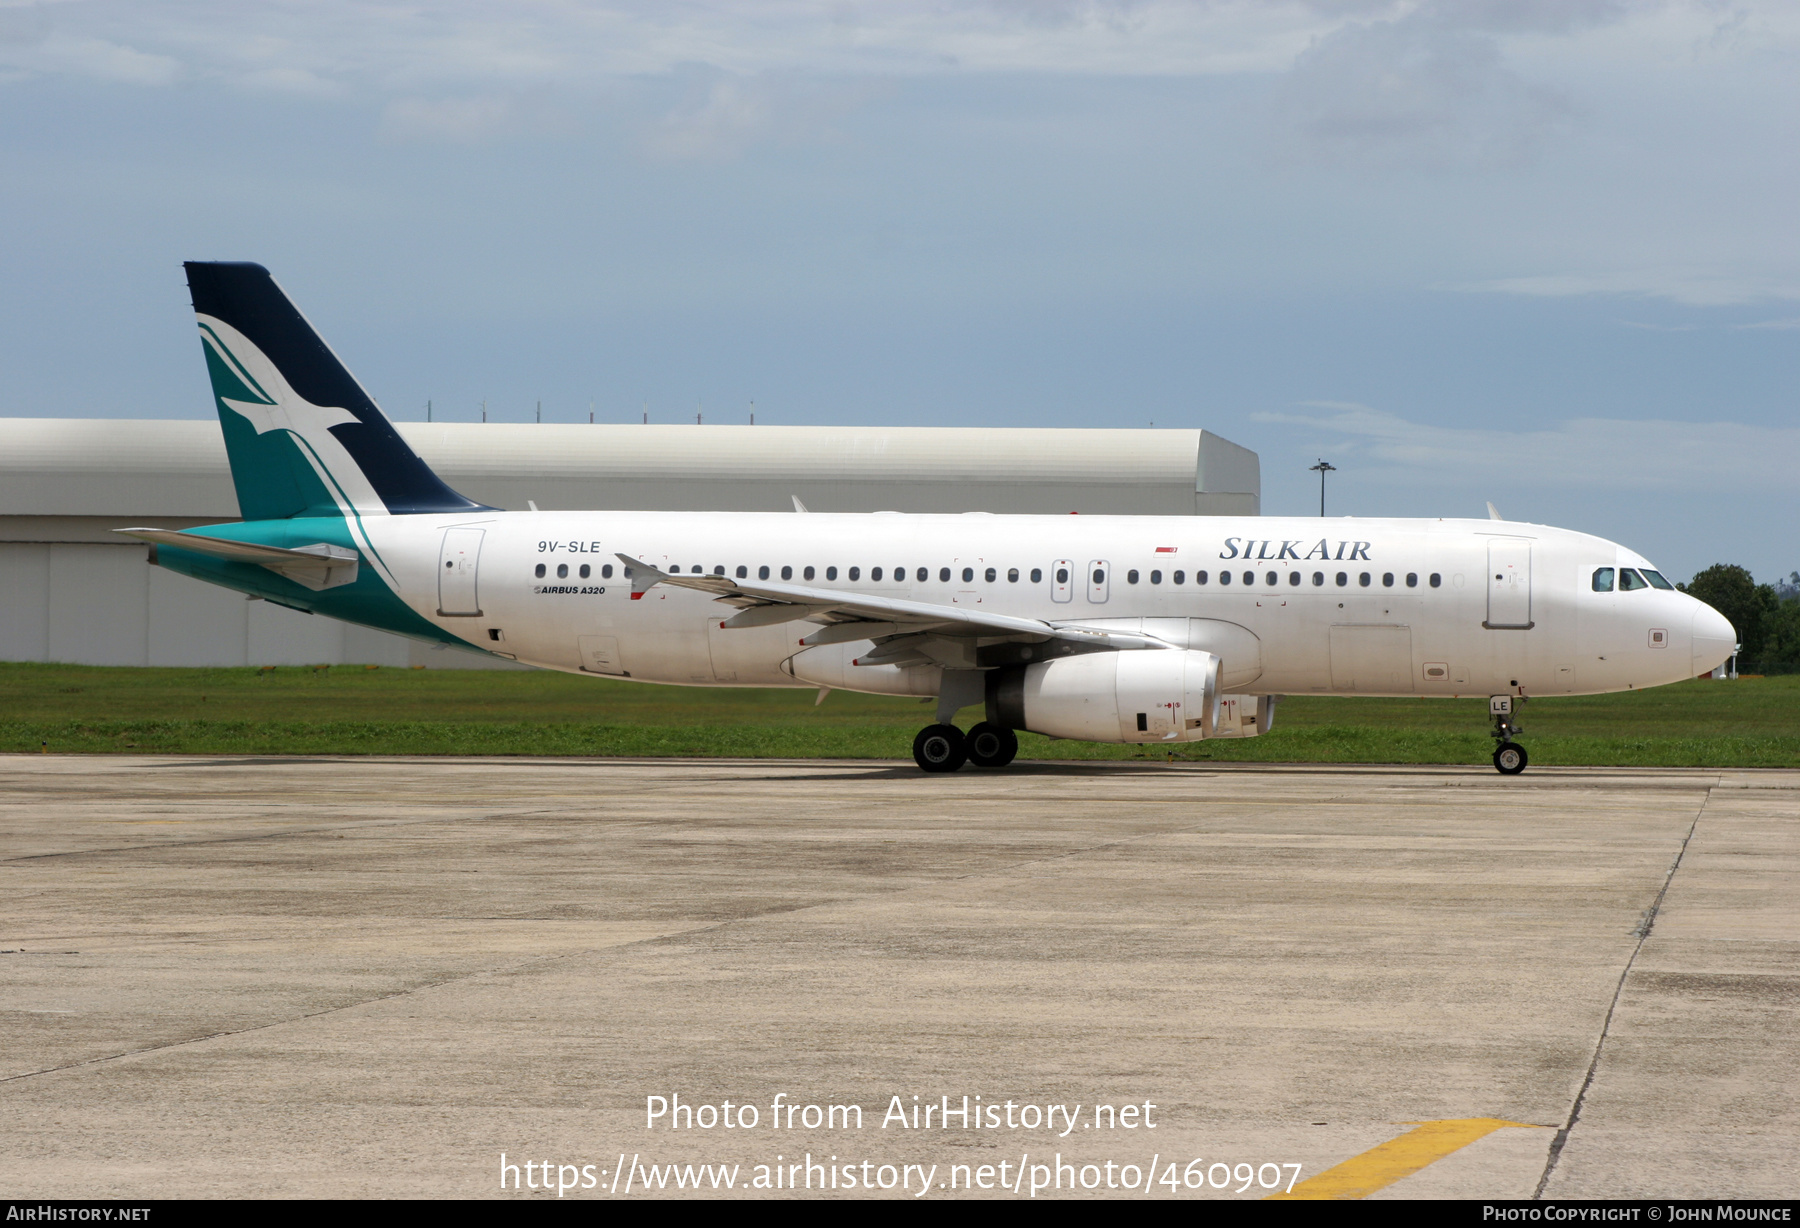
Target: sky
1538,252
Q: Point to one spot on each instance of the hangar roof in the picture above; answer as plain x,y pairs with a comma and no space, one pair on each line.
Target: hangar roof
177,468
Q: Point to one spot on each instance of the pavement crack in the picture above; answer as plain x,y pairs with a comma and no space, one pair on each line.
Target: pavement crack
276,1023
1642,932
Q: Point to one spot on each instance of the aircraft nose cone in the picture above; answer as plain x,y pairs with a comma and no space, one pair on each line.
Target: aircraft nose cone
1713,638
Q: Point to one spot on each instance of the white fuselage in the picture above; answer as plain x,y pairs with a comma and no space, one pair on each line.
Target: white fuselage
1344,606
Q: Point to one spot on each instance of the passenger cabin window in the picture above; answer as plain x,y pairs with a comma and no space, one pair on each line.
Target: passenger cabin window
1412,579
762,573
1200,577
923,574
1656,579
1012,575
742,572
1630,581
606,571
969,575
989,575
787,573
1603,579
1131,577
1343,578
1180,577
1294,579
1224,577
1037,575
831,573
875,573
1363,579
540,571
1156,577
1318,579
585,571
1436,580
856,573
1062,575
1387,579
1249,577
562,571
943,575
807,574
1270,579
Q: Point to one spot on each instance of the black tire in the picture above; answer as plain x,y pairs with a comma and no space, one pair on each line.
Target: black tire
940,748
991,746
1510,758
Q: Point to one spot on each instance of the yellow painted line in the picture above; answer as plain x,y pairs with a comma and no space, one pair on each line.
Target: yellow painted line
1362,1175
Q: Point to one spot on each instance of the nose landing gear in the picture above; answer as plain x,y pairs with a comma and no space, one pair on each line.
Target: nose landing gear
1509,757
945,748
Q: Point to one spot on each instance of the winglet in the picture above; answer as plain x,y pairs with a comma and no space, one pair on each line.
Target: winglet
1494,512
798,506
643,576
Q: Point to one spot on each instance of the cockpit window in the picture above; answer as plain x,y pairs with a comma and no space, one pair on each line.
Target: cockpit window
1630,580
1603,578
1656,579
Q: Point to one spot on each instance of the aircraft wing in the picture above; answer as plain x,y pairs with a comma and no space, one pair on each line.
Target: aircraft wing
318,566
859,616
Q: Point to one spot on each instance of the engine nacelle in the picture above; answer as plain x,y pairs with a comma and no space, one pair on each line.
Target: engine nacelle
1151,695
1244,716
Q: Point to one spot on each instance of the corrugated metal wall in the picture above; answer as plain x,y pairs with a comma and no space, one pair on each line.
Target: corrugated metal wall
93,604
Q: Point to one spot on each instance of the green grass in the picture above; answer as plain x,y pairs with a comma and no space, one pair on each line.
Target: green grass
351,710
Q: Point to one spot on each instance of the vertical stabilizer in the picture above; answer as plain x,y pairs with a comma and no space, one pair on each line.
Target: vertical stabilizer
303,437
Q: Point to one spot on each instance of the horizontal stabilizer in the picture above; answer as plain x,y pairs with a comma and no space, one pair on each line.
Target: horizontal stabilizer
318,566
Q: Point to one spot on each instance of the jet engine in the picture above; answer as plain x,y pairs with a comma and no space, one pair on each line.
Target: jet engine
1152,695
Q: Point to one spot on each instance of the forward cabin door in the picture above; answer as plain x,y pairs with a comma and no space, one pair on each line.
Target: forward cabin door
1062,580
1509,584
457,594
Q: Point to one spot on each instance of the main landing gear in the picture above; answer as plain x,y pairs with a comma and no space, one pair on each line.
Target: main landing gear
945,748
1509,757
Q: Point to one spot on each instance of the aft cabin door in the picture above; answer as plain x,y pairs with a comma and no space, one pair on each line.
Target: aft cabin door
457,595
1509,583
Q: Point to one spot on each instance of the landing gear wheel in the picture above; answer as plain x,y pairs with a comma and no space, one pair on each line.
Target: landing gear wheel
1510,758
991,746
940,748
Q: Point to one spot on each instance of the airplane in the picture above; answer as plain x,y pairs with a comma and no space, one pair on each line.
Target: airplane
1155,630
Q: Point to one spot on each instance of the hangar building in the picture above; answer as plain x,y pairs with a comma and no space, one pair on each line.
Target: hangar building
71,590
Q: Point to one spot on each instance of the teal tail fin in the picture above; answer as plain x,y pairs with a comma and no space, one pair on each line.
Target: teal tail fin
303,437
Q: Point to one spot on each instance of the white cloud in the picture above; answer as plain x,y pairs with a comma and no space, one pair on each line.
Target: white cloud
95,58
1697,288
1419,91
1401,57
1581,454
1791,323
717,124
475,120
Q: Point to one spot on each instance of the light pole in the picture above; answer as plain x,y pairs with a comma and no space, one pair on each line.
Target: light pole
1323,468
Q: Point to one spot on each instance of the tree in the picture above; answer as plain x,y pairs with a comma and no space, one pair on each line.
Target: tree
1781,639
1732,591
